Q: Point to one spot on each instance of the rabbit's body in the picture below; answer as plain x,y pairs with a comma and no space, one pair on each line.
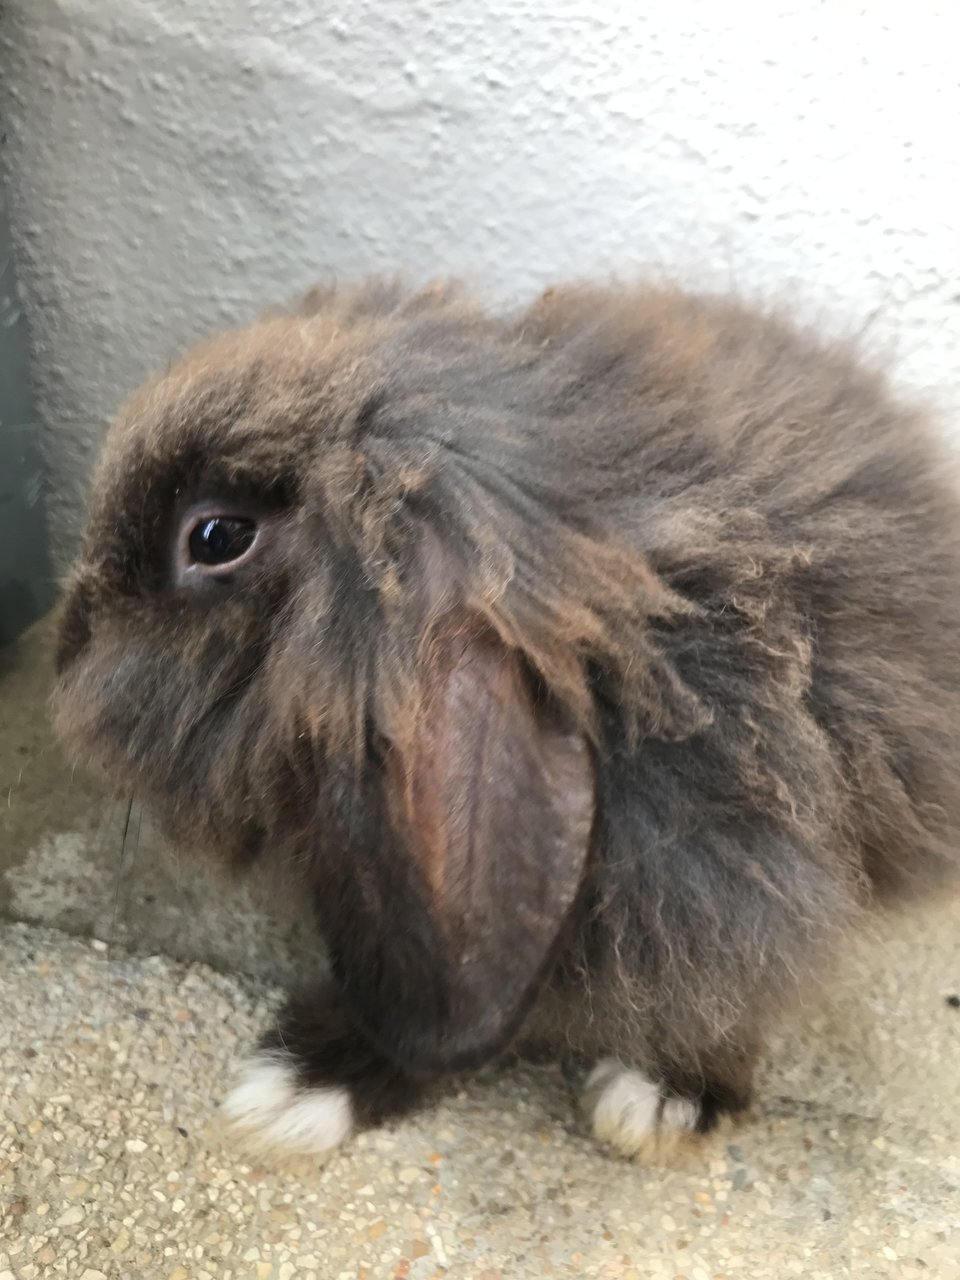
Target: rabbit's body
597,666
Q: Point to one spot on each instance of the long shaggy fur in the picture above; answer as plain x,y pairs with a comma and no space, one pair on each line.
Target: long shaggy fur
721,551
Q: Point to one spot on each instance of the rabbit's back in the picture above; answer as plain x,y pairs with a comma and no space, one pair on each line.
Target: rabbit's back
776,481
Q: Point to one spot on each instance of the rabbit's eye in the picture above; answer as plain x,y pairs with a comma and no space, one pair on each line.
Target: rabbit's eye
220,540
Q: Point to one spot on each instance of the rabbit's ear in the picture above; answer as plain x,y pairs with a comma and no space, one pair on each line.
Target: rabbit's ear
449,915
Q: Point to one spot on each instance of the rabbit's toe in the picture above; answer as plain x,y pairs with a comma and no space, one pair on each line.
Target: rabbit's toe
632,1113
269,1106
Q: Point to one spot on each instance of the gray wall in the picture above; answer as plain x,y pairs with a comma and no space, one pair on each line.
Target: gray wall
25,581
174,165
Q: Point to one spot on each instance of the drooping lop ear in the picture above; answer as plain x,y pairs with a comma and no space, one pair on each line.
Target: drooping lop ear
447,914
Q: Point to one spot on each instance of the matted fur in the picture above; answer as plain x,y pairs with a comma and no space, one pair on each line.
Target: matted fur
717,549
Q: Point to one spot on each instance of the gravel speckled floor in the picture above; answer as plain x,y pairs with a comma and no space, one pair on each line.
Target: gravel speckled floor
112,1162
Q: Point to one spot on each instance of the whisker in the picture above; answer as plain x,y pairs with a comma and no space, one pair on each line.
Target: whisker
15,786
123,848
136,840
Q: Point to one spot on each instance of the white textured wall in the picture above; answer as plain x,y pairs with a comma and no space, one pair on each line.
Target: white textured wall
175,164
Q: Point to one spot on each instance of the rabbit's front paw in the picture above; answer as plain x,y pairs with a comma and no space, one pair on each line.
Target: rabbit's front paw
315,1079
633,1114
271,1107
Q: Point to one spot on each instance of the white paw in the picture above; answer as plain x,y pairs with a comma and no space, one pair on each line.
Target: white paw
629,1111
270,1107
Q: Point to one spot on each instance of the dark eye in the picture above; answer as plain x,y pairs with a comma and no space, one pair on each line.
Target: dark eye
219,540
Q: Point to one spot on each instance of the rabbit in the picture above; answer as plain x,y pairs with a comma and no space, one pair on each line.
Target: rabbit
591,667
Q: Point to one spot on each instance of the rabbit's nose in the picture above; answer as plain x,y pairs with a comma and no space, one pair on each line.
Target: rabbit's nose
73,634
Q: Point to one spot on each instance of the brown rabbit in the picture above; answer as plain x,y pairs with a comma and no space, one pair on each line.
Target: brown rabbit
593,666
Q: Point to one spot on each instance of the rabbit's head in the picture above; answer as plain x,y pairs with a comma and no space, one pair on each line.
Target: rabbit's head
338,605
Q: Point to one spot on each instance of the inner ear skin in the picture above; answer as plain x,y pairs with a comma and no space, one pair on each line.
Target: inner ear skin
452,886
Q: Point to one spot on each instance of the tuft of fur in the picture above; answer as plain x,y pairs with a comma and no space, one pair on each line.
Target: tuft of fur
716,548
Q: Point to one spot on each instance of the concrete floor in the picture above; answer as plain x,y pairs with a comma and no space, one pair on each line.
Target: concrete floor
113,1058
